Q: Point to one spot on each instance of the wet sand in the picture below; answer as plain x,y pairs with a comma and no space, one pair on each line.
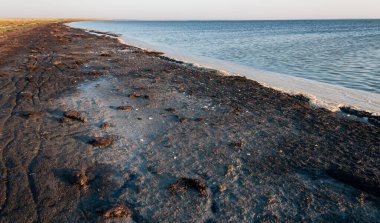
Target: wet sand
94,130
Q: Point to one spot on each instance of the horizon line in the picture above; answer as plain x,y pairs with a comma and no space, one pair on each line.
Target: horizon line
190,20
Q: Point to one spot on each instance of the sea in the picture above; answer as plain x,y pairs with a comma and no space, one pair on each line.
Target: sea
343,55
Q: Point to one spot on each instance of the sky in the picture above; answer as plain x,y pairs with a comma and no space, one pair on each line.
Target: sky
191,9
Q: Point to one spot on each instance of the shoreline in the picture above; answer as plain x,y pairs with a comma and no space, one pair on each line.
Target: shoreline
352,101
325,95
319,93
95,130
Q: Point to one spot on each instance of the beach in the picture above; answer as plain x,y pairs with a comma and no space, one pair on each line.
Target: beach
96,130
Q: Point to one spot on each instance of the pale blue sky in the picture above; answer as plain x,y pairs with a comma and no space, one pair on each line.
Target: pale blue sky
192,9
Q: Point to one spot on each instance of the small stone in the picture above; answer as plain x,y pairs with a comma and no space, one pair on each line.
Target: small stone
102,142
118,212
134,95
57,62
105,125
125,108
74,115
32,114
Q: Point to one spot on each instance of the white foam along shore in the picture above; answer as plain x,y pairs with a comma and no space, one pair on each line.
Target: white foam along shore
321,94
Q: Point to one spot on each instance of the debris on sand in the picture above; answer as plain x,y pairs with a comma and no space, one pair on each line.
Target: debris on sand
361,197
32,114
57,63
185,184
94,73
102,142
33,66
153,53
79,62
170,109
237,144
74,115
26,95
65,120
105,125
118,212
229,170
78,177
183,120
134,95
105,55
125,108
236,109
137,95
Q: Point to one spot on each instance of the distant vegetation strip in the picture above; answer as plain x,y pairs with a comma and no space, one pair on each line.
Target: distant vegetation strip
12,24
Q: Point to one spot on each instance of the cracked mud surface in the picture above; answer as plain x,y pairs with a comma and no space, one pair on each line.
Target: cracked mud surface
234,150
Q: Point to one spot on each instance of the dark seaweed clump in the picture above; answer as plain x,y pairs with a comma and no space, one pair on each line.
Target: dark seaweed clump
185,184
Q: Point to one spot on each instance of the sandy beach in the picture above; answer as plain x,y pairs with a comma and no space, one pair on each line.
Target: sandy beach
93,130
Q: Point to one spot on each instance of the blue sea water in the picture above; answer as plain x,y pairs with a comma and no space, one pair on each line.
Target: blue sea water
339,52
